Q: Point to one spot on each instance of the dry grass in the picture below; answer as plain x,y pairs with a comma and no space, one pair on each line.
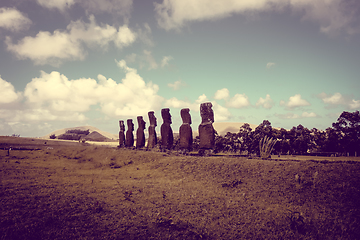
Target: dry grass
89,192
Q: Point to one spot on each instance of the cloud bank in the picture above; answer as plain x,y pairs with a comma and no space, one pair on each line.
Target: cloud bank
13,20
54,48
337,99
295,102
331,15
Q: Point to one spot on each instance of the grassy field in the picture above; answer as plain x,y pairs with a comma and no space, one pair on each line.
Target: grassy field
76,191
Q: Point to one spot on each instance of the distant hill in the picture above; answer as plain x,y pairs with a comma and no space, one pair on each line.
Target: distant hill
95,133
96,137
224,127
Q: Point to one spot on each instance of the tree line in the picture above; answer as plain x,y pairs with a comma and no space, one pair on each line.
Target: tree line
340,139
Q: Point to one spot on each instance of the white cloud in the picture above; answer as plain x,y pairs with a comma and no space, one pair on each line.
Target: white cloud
195,106
52,96
53,91
265,103
332,15
335,99
270,64
296,116
354,104
124,37
147,59
145,35
238,101
176,85
47,48
53,4
165,61
13,20
176,103
294,102
7,92
54,48
150,60
221,94
220,113
338,99
288,116
201,99
308,115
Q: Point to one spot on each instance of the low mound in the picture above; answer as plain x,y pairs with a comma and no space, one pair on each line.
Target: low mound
96,137
91,129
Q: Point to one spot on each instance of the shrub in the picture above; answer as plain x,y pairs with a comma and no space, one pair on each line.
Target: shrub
78,131
52,136
69,136
266,145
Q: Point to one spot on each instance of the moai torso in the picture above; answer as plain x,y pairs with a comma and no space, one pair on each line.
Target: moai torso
152,140
185,131
206,130
140,136
129,140
122,134
167,138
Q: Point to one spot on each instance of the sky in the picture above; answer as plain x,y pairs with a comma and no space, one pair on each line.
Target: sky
68,63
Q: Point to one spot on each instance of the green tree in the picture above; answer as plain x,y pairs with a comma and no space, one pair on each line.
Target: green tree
282,146
318,139
302,140
245,138
348,125
264,129
332,141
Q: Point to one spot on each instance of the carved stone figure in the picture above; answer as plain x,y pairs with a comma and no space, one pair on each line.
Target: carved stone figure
122,134
129,141
140,136
167,138
206,129
152,140
185,131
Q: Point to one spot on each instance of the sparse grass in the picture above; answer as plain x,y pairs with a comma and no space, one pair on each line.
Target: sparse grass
77,193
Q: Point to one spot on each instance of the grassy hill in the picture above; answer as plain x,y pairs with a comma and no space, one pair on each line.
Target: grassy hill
89,192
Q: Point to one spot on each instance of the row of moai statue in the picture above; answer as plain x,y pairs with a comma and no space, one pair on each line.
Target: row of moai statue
206,131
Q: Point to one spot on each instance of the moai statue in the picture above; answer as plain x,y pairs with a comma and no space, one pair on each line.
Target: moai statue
206,129
152,140
167,138
140,136
129,141
122,134
185,132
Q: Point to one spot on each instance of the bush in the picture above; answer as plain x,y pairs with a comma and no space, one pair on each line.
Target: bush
78,131
69,136
266,146
52,136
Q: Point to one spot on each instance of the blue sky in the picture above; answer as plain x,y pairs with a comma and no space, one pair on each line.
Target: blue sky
66,63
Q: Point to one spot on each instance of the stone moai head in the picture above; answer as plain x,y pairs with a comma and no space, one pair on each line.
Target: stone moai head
130,125
206,112
141,122
185,115
165,114
152,119
122,125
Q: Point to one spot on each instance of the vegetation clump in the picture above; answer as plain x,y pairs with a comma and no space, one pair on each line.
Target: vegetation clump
73,134
266,145
342,139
